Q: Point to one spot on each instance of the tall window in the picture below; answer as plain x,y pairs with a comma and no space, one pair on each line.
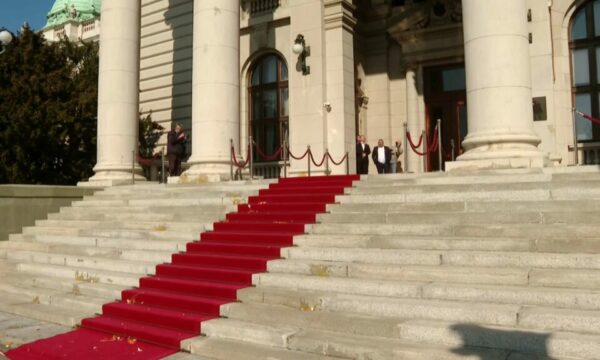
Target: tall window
269,102
585,60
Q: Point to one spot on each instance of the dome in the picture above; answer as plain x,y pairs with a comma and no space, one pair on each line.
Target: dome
78,10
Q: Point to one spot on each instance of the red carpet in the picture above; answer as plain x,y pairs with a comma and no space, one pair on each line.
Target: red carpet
150,321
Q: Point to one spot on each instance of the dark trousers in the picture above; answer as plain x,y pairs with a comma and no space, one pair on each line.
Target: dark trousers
362,165
174,164
381,168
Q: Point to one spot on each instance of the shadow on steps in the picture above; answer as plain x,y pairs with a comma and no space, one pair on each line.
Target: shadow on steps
477,340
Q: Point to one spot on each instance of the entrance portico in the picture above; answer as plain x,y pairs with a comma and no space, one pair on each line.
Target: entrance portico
495,55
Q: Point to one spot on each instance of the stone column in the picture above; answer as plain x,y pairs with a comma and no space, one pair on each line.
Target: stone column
216,89
118,93
498,87
415,163
339,75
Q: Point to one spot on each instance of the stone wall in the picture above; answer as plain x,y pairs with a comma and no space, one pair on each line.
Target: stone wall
21,205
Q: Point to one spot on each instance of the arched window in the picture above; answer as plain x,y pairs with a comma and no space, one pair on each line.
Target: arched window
584,42
269,102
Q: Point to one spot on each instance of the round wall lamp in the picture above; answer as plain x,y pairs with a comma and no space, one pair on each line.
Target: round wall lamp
299,48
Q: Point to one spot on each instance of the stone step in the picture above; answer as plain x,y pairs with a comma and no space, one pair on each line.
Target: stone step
468,207
81,274
275,336
221,349
127,225
499,294
417,242
460,334
42,242
392,187
140,217
116,211
126,266
528,231
471,218
496,259
196,193
43,312
494,196
157,234
311,318
418,273
230,200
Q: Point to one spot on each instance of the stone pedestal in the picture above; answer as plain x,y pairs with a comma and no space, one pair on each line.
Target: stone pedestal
498,88
118,94
216,89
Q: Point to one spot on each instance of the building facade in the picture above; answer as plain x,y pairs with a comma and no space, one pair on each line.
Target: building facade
502,77
74,20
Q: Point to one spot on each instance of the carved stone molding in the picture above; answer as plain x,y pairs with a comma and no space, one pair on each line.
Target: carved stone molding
339,13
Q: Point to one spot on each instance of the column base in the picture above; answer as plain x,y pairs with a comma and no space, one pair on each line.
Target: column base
499,162
112,178
205,173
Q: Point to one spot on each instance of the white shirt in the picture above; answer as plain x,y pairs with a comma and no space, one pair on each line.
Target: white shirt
363,145
381,154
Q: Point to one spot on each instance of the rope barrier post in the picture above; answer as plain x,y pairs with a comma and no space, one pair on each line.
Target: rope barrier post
231,160
133,167
452,149
162,164
308,154
405,148
575,145
327,171
285,159
347,163
439,139
425,148
251,160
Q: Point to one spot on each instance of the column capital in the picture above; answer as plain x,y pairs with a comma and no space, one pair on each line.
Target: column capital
339,13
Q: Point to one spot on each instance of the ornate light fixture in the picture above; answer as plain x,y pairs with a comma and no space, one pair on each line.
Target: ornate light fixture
299,48
5,39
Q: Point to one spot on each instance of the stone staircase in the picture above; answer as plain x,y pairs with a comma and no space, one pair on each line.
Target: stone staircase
493,265
64,268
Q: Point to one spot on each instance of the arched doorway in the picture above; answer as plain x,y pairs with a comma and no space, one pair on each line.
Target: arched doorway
268,103
584,42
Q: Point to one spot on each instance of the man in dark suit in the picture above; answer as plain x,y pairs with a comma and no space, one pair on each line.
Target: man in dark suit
382,155
362,155
176,149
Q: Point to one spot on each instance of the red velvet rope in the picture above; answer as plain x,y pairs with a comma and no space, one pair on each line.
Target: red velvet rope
412,144
235,161
432,148
312,159
146,161
589,118
300,157
333,161
266,157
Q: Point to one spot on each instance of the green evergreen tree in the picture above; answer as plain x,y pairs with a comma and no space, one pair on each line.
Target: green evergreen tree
48,109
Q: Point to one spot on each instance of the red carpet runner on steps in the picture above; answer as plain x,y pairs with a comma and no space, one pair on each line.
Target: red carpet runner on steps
150,321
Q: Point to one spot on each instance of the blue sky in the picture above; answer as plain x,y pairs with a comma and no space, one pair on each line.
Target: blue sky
14,12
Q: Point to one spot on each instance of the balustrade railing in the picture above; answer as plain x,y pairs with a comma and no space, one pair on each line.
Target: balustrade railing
260,6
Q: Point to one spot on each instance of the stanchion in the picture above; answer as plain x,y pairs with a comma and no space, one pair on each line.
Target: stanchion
251,159
425,148
162,164
575,145
327,171
406,145
231,160
285,159
440,144
452,149
347,163
133,167
308,158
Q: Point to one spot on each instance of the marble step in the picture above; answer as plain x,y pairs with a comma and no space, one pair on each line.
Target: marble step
555,344
81,274
74,261
496,259
580,299
129,225
45,241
